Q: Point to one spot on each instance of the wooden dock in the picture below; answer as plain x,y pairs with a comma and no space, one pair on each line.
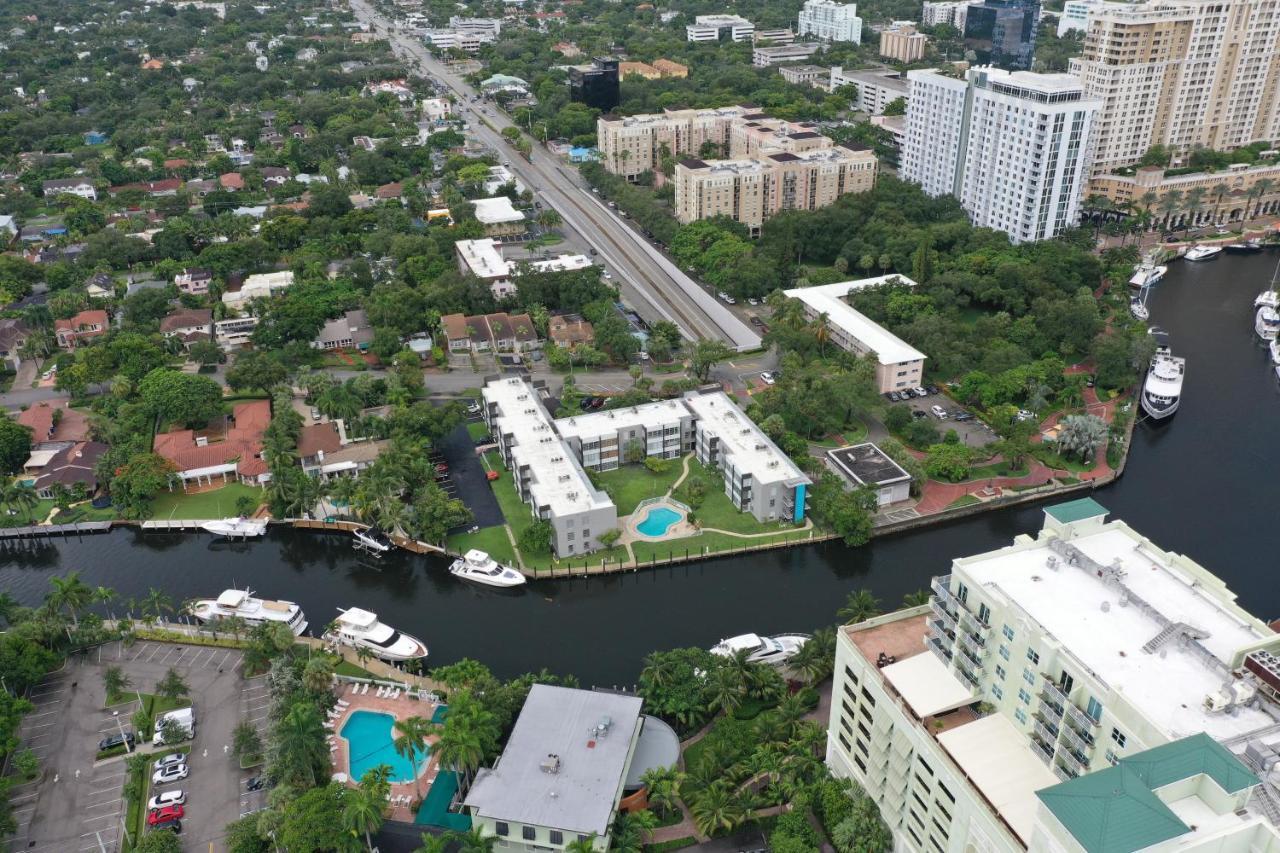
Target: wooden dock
42,530
161,525
412,545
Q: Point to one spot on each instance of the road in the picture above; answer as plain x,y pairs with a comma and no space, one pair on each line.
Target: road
650,282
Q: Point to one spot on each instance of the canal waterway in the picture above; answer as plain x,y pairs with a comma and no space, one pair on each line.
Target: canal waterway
1205,484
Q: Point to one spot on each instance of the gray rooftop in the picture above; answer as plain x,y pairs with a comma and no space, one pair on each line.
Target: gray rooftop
581,795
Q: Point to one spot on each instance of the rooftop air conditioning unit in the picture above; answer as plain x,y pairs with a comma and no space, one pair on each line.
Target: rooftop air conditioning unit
550,764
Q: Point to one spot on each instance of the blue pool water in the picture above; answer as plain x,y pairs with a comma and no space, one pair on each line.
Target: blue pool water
658,521
370,742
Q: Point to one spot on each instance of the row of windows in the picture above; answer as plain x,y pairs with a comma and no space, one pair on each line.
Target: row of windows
530,833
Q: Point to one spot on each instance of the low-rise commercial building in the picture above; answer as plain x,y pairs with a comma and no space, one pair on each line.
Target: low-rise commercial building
499,216
714,27
1234,194
902,42
806,75
898,364
876,89
867,465
483,259
773,37
764,57
1082,690
830,21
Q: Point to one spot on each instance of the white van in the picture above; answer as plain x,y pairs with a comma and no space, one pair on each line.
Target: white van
185,717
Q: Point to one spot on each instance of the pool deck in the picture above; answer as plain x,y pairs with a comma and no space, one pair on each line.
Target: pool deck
401,708
630,525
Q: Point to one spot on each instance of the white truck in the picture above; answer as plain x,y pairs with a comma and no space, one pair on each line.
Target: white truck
184,717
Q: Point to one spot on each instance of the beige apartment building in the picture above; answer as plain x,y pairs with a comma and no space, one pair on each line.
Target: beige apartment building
632,145
751,189
1181,73
759,134
903,43
1234,194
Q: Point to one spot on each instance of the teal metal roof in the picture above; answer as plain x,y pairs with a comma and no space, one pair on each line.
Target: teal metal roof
1076,510
1116,810
1191,756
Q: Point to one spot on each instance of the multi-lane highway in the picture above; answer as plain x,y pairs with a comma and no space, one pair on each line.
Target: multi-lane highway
650,282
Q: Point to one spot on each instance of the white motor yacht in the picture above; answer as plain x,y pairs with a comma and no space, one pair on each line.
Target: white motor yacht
1275,351
1202,253
1270,298
1147,274
478,566
1138,310
1267,323
1162,390
372,539
774,650
361,629
254,611
236,528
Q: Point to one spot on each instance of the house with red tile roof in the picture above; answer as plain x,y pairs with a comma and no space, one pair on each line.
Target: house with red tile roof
228,450
231,181
54,420
82,327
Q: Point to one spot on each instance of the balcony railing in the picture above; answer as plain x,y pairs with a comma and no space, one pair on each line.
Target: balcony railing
968,673
1079,744
940,649
1069,761
945,595
1046,733
969,656
973,645
1045,752
1049,720
972,624
1063,773
940,611
1082,721
1050,707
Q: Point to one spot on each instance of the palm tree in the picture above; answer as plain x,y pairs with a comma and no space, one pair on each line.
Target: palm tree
1170,203
9,607
460,749
434,843
412,743
362,814
716,809
473,841
1194,204
235,625
727,690
816,658
20,497
578,845
663,784
317,675
1262,186
341,491
916,598
115,681
70,594
339,402
630,831
860,606
821,332
300,755
156,604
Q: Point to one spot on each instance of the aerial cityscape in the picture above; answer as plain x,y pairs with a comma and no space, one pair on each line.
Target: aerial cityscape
582,425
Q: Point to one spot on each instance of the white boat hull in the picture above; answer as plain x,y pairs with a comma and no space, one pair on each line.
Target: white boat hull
235,528
503,580
1157,413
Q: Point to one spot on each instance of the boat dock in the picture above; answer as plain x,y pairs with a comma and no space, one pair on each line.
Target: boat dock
413,545
44,530
177,524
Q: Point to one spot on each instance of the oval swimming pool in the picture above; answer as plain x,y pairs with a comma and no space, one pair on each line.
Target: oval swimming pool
658,521
370,742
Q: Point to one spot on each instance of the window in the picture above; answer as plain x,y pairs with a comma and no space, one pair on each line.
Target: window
1020,715
1029,677
1033,656
871,700
1119,737
852,677
1000,672
569,536
1094,710
1008,633
844,741
949,795
862,747
1024,696
925,765
984,614
962,593
557,837
1112,758
501,828
530,833
996,691
858,761
1004,651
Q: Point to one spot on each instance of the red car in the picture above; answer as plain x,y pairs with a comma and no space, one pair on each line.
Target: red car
164,814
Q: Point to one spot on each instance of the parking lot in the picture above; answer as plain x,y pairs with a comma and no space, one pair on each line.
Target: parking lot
972,432
76,804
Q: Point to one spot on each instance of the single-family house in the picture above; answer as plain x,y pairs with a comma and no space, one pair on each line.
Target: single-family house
230,449
188,325
100,286
275,176
74,465
393,190
201,188
13,334
54,421
350,331
82,327
569,330
261,285
194,280
82,187
231,181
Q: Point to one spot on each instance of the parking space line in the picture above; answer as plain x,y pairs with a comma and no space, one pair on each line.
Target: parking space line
104,804
107,816
155,650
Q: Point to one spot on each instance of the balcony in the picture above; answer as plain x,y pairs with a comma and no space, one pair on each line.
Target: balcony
969,673
1054,692
1044,752
969,657
1083,723
1070,762
972,625
1079,742
939,648
944,616
972,645
1050,709
944,594
1047,733
1063,773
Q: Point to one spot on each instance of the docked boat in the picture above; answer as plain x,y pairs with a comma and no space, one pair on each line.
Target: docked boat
1147,274
1245,248
1275,351
478,566
254,611
1138,309
774,650
361,629
1162,390
1267,323
1203,253
372,539
1270,298
236,528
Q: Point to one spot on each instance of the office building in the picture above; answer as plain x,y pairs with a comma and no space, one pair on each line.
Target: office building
758,477
638,69
753,188
902,42
898,364
601,439
876,89
595,85
1003,32
806,75
831,21
715,27
953,12
546,473
1013,147
765,57
483,258
1182,74
1080,690
867,466
1075,15
773,37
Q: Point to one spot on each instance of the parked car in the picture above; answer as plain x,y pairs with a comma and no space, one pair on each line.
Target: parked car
756,321
962,416
726,298
165,814
172,773
932,389
255,783
170,759
753,301
939,412
919,413
920,392
767,378
315,414
473,409
642,355
484,439
1024,415
889,395
1091,382
112,741
175,797
173,825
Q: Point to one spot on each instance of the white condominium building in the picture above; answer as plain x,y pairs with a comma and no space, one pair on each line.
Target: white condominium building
949,12
1181,73
1013,146
1081,691
875,89
831,21
714,27
1075,15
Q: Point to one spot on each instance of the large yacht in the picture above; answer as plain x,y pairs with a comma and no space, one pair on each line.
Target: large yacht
1270,298
236,528
774,650
361,629
1147,274
1202,253
254,611
478,566
1267,323
1162,390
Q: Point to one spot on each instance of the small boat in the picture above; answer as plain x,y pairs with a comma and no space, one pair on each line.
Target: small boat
774,650
1202,253
254,611
1146,275
1138,310
236,528
1247,247
478,566
1162,390
361,629
1267,323
372,539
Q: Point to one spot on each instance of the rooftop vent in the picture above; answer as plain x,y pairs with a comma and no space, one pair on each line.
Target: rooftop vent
550,764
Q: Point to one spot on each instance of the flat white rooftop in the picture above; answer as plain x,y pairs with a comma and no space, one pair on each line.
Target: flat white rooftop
926,684
829,299
561,263
998,761
650,416
1169,686
558,480
750,449
496,210
482,257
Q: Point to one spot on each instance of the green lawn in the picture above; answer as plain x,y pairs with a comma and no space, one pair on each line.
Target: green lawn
35,515
220,503
1049,457
137,813
719,512
492,540
855,434
630,484
998,469
712,543
477,430
85,512
677,844
347,668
